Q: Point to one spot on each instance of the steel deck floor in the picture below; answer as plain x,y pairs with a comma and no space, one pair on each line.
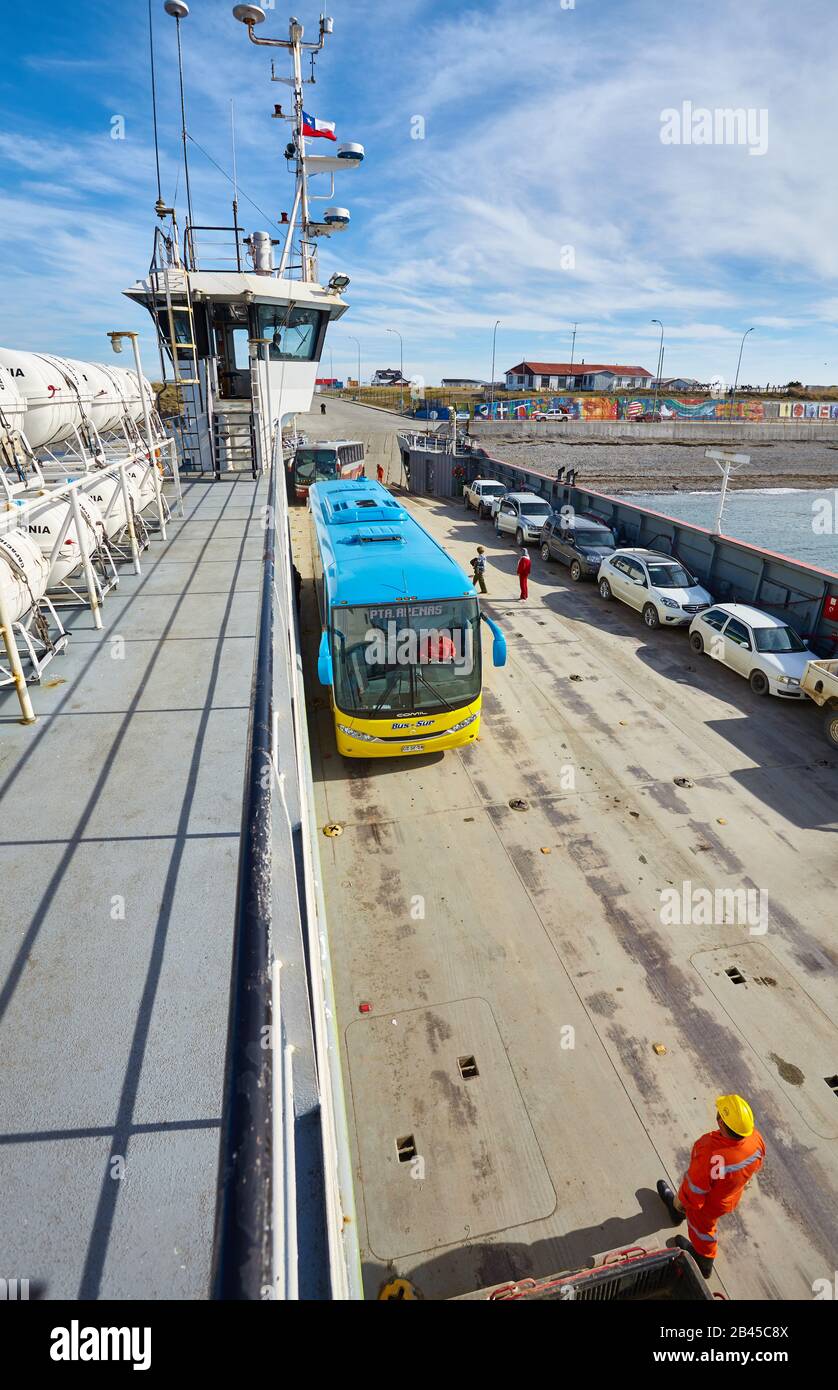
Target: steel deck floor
121,825
546,920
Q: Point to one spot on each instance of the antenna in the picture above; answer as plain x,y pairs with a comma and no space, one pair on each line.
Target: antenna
178,10
154,109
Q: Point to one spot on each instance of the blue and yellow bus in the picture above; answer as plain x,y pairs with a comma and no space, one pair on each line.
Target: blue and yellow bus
400,646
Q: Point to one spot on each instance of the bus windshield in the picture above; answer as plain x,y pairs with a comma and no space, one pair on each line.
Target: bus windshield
414,658
315,465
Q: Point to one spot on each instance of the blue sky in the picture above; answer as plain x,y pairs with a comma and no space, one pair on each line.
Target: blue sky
542,131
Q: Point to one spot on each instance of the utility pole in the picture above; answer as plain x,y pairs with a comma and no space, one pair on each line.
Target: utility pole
573,346
738,365
401,363
660,368
355,340
492,384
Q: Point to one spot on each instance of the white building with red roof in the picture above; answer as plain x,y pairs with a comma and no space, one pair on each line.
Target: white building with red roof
578,376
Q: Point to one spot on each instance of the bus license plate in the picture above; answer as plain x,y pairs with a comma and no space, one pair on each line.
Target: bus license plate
413,747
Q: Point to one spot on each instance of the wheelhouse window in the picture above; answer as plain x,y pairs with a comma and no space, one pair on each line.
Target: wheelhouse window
294,332
417,658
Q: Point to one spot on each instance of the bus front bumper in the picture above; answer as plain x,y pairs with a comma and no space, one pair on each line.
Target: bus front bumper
410,743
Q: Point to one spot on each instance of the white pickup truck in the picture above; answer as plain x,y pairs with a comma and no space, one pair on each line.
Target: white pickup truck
479,495
820,681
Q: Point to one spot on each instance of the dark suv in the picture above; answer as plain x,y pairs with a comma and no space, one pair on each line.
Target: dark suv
577,541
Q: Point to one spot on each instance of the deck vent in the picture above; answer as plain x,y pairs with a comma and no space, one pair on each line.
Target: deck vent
406,1148
735,974
832,1083
468,1067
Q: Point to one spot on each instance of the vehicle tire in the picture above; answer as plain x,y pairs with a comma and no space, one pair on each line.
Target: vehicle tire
830,725
545,552
758,681
519,537
650,616
481,511
497,527
576,571
697,642
605,589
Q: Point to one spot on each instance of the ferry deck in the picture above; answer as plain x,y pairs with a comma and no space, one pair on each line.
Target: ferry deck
536,1036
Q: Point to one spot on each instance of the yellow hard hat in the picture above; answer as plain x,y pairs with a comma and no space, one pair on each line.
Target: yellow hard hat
737,1114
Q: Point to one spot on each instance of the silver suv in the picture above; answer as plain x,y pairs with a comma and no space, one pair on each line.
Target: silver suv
522,515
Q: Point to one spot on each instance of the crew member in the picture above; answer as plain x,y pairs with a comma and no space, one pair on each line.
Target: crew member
722,1163
524,567
379,472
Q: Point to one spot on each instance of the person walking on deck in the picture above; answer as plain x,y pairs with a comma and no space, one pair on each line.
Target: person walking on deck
524,567
380,472
478,568
722,1164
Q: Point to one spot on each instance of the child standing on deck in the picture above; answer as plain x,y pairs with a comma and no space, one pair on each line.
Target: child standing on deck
478,568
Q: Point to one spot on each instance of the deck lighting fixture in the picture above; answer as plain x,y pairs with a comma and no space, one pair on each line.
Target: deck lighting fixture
337,283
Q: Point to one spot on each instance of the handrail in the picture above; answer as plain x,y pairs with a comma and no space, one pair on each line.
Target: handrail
242,1263
256,1252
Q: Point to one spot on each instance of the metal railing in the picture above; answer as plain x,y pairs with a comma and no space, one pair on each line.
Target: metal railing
283,1075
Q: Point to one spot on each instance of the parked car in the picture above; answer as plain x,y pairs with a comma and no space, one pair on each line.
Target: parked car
765,650
658,585
578,542
522,514
479,495
561,414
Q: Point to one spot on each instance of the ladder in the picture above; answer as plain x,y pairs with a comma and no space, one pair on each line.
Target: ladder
233,441
180,345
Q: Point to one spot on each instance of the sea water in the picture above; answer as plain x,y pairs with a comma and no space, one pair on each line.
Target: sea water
799,522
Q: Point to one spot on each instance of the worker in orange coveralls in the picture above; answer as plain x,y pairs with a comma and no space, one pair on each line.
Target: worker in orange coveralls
524,567
380,472
722,1164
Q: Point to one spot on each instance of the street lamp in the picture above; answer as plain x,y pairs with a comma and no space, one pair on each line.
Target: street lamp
660,368
492,383
401,362
355,340
738,365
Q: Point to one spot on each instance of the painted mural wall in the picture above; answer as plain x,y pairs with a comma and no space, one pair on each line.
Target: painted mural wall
668,408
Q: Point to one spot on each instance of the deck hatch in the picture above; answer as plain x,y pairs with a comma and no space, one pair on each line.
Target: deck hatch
832,1083
468,1067
406,1148
735,974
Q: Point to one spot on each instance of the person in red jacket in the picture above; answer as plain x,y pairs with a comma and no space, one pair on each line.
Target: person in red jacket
380,472
524,567
722,1164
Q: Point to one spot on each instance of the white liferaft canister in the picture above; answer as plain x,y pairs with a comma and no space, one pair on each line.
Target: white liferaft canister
45,527
24,572
57,397
108,497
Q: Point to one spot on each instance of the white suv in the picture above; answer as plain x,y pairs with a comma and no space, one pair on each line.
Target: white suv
522,515
657,585
762,648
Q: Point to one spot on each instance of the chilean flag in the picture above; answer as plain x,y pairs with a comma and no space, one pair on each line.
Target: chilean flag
324,130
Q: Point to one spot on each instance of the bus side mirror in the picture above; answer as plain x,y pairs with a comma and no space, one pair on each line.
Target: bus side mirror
498,642
324,661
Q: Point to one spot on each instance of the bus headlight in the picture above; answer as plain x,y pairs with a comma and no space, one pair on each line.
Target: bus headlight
463,724
355,733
